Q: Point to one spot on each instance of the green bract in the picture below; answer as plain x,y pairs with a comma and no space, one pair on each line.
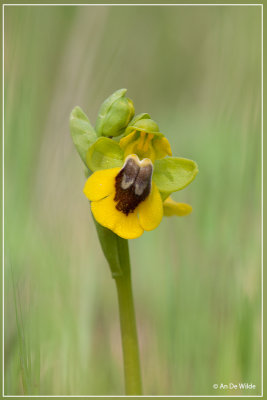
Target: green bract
172,174
114,115
103,154
82,132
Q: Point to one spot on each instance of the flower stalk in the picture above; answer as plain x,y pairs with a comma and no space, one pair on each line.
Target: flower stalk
116,251
132,373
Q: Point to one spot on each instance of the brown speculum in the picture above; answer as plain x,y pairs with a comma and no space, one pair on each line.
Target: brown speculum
133,184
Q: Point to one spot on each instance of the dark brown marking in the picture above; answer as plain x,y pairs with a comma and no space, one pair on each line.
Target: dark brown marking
133,184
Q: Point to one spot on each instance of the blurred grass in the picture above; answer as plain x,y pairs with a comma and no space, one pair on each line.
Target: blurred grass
196,70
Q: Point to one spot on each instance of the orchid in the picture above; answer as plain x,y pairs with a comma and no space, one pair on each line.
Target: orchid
131,175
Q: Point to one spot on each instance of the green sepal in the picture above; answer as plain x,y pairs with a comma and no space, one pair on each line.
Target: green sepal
82,132
172,174
110,244
103,154
138,117
146,125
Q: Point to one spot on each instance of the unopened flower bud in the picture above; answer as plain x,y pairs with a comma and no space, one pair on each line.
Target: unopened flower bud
114,115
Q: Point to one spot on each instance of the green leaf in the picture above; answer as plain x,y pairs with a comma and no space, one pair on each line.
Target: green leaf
103,154
172,174
82,132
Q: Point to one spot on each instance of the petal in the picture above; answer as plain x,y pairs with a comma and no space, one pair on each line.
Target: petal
128,226
125,141
106,214
100,184
151,210
162,147
149,153
171,207
130,149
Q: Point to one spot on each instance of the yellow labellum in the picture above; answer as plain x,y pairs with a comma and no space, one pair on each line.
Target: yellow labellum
101,189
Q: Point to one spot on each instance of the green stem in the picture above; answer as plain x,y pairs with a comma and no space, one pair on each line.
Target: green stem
132,375
116,251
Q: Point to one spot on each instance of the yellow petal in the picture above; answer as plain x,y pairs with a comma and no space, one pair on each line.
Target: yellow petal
162,147
130,149
171,208
128,226
151,210
149,153
100,184
125,141
106,214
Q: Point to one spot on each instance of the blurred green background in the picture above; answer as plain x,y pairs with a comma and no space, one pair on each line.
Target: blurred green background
197,280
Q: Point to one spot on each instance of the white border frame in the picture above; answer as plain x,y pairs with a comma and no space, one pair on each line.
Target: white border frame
3,199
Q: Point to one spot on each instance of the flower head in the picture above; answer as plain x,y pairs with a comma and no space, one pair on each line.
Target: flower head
134,173
126,200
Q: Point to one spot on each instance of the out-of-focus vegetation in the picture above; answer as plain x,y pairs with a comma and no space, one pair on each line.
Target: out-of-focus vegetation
196,280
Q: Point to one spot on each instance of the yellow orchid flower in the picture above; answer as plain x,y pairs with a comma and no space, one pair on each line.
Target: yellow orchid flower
129,200
125,200
133,174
